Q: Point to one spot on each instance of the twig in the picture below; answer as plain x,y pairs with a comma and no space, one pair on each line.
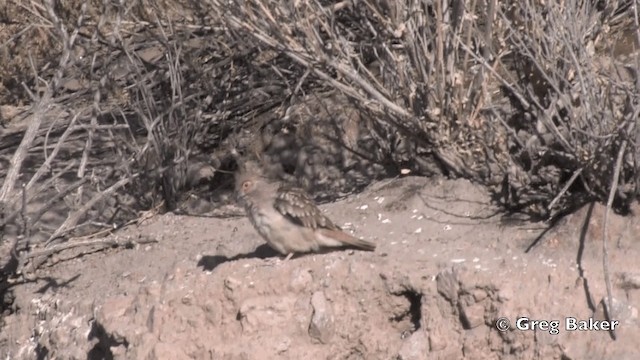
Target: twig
59,196
605,251
11,216
636,21
565,188
21,153
100,127
73,219
26,229
46,167
105,242
3,221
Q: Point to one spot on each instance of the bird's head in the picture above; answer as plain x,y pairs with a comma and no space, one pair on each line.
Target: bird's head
246,184
250,182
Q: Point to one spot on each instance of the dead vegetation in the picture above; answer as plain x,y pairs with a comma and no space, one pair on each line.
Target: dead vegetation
113,109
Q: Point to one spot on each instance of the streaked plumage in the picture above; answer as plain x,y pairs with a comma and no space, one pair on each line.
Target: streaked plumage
287,218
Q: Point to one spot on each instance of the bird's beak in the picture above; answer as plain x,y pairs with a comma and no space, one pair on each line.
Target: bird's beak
238,197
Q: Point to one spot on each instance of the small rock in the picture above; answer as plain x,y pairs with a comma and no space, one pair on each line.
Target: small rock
212,312
626,314
231,284
178,274
119,352
321,327
60,338
447,284
472,315
438,340
283,346
505,295
115,307
264,312
300,279
415,347
479,294
187,299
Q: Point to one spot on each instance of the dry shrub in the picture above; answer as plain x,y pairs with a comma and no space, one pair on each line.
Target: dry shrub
574,101
529,98
535,99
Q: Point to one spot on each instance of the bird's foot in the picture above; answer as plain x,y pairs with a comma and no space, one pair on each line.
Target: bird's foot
273,261
277,261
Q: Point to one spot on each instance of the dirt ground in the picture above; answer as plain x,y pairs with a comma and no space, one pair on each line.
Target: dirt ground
446,269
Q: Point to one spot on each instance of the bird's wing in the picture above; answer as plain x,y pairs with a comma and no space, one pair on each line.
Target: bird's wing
295,204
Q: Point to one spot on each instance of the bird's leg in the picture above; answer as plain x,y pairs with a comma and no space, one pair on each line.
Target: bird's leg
273,261
277,261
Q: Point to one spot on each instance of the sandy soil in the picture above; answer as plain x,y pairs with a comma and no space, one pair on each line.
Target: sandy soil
446,269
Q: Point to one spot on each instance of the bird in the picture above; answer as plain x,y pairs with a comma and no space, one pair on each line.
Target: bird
287,218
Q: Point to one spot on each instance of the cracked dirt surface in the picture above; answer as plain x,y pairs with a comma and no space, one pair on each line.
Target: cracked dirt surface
446,268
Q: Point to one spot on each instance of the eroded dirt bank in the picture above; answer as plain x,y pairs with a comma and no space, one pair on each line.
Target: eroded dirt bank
445,269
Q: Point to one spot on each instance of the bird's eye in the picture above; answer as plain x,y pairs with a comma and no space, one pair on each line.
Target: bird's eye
246,185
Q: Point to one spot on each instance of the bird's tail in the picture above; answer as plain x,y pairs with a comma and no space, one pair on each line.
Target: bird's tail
332,238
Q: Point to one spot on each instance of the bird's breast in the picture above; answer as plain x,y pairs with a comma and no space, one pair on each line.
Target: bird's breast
262,220
280,233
